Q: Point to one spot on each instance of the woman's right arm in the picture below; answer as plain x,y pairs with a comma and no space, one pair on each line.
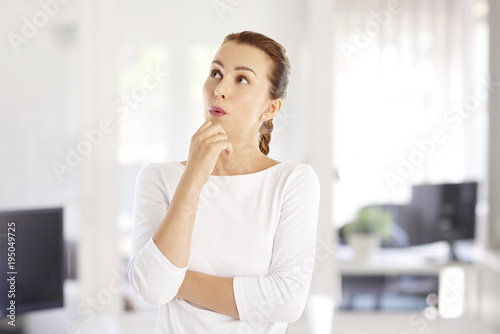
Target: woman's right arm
173,236
157,270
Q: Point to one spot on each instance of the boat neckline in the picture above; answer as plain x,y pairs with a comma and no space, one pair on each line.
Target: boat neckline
248,174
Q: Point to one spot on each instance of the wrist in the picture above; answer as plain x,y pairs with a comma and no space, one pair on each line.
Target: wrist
194,178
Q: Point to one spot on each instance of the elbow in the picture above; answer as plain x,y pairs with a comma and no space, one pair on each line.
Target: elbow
285,312
292,306
291,312
295,314
283,298
156,299
151,290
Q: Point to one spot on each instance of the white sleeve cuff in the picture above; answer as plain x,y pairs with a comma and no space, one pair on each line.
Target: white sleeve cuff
153,276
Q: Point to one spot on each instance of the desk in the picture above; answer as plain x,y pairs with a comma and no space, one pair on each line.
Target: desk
456,283
404,323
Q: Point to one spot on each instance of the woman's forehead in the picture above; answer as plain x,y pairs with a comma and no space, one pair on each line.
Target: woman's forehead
232,54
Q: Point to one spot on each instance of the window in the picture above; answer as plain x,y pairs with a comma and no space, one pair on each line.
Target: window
410,98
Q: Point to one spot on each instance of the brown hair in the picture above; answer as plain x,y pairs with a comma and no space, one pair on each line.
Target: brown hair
278,76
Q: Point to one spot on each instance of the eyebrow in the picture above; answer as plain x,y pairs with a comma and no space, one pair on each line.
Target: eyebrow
237,68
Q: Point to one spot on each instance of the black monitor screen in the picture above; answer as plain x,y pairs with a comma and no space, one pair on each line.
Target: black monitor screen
444,211
436,212
31,260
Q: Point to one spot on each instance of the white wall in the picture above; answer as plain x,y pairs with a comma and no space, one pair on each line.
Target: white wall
39,114
490,302
494,121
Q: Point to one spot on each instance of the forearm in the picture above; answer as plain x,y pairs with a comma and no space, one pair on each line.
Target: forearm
173,236
211,292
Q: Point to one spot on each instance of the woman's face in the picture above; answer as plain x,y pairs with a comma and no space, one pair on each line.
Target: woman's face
238,83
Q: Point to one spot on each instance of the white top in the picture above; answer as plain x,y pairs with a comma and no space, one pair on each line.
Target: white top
259,228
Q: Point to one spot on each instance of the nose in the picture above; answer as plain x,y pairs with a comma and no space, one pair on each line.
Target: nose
220,92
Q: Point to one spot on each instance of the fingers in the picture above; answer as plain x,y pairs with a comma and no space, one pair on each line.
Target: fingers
202,128
223,146
214,135
222,137
212,129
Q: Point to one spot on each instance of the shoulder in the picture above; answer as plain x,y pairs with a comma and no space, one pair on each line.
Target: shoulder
301,190
301,173
160,170
300,168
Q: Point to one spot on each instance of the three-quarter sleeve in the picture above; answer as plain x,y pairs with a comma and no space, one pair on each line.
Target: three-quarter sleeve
281,296
154,278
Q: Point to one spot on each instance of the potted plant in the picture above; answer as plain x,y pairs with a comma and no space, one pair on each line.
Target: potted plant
365,234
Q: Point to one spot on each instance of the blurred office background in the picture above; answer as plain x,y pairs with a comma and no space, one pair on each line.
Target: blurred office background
384,97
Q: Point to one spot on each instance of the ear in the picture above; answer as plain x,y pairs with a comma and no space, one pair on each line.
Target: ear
274,108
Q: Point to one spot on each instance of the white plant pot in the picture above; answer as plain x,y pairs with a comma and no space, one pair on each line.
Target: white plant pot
365,246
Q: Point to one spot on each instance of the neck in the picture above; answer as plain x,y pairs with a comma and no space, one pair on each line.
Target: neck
246,158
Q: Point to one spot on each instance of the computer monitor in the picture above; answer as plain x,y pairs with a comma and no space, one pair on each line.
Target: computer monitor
436,212
444,212
31,260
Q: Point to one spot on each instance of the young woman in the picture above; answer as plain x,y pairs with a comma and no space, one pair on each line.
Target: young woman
225,241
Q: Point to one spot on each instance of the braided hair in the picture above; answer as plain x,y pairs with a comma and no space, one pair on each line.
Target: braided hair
278,75
265,135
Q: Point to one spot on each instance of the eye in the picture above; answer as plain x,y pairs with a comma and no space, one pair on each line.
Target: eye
242,80
215,74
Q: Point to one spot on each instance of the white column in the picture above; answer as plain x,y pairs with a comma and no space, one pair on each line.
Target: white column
98,265
494,126
319,41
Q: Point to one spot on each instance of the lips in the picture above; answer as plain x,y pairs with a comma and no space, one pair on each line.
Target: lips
217,111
